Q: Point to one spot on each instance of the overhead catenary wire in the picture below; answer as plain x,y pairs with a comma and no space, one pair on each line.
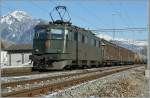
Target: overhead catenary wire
126,14
45,11
115,13
39,7
119,13
81,18
78,16
95,16
74,15
128,19
121,29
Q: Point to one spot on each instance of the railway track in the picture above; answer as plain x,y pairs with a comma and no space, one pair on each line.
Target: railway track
16,71
33,87
12,72
13,82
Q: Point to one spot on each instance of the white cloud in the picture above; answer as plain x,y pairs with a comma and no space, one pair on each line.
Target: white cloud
135,42
105,36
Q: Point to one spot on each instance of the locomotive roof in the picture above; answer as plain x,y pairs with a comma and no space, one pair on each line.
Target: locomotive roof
59,23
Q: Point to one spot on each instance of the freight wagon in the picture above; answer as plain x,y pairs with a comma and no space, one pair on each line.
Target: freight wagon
116,55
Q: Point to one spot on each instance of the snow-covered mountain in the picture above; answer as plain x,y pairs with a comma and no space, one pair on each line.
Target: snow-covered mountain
17,27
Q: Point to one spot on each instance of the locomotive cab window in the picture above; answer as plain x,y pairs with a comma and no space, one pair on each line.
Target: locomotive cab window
97,43
83,39
40,34
75,36
57,33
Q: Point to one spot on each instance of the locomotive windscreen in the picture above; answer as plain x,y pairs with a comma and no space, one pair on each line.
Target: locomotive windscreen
49,40
56,33
51,34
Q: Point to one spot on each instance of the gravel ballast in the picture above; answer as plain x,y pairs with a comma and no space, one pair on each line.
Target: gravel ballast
130,83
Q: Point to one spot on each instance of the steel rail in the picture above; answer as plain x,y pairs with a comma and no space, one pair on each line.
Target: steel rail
60,85
30,81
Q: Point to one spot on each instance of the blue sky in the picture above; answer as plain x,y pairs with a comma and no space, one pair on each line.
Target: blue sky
92,14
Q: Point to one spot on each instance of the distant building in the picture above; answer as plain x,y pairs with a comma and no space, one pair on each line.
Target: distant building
3,54
18,54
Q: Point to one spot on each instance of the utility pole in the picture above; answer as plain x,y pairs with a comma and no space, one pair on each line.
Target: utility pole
148,47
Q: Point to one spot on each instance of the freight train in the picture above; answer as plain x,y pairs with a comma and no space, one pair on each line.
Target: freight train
61,45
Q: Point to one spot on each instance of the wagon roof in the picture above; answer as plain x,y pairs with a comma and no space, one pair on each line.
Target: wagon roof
115,45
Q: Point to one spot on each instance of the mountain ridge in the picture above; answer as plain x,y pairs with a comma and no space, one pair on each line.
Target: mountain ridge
18,27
